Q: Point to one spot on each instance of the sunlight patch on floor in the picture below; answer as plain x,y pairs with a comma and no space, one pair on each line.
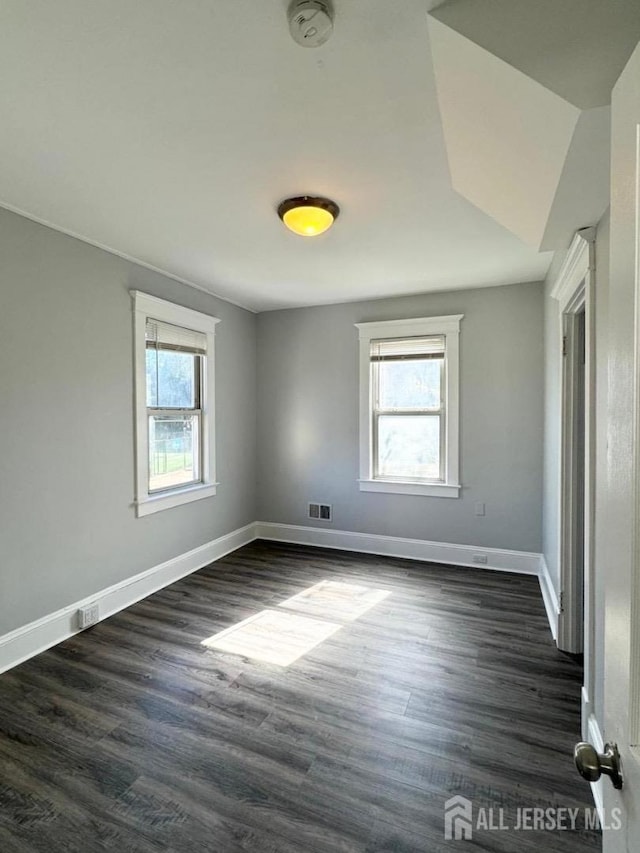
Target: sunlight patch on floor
273,636
334,600
278,637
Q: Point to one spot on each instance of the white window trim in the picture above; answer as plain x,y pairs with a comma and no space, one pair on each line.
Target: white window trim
147,306
448,326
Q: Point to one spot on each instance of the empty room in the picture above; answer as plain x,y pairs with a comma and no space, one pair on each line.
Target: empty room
319,383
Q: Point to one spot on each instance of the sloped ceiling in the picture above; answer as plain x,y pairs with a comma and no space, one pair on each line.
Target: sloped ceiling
524,90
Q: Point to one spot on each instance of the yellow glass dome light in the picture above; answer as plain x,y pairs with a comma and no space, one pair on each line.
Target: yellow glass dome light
308,215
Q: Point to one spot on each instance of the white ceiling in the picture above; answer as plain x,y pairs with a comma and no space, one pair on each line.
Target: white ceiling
170,131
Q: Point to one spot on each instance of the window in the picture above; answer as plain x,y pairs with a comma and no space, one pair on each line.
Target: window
409,406
174,383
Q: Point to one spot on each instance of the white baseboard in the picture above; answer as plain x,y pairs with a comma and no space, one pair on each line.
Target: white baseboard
29,640
25,642
587,711
521,562
549,596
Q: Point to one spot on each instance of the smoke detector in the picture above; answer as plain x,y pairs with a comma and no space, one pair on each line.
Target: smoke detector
310,22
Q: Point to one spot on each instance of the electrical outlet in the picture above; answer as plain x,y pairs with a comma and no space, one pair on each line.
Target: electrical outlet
480,510
480,558
88,615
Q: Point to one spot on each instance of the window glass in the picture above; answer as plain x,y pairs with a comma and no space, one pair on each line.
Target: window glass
171,379
411,384
408,446
173,451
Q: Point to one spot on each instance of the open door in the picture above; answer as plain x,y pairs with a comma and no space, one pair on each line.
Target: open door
622,489
574,291
575,522
576,456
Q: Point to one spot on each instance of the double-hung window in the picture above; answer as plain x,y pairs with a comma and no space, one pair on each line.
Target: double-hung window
409,406
174,404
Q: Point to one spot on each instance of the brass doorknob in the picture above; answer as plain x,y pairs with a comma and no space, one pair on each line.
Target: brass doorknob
592,764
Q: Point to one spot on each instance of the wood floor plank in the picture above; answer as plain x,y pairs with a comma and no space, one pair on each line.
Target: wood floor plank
132,736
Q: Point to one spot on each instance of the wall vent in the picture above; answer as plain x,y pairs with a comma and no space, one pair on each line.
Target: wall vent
320,512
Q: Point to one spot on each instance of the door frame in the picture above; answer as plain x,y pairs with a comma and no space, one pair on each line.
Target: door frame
574,291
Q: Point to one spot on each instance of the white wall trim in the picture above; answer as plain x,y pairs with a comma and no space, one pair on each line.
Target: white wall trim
27,641
549,596
521,562
410,327
403,487
572,272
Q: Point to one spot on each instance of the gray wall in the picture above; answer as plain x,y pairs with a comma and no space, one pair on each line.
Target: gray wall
67,524
308,419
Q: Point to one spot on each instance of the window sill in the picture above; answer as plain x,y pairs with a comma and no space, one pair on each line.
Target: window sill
402,487
156,503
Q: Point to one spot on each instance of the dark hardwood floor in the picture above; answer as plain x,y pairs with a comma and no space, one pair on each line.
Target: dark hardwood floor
133,737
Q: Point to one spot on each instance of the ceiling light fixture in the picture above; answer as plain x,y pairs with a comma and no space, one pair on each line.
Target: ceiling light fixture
308,215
